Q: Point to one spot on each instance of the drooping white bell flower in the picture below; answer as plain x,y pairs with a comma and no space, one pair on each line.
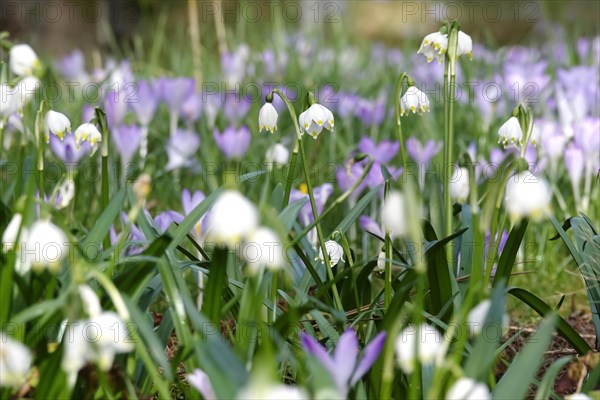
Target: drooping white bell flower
430,345
23,60
8,100
380,267
527,196
88,133
58,124
66,192
477,316
10,241
393,214
433,46
267,118
465,45
335,253
277,154
535,135
510,132
263,249
459,185
24,91
46,247
232,219
317,117
15,362
468,389
578,396
414,101
271,392
90,301
97,340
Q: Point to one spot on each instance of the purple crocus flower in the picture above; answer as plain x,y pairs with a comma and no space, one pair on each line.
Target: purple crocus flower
233,142
72,66
145,102
181,148
575,164
518,80
115,109
235,106
348,174
127,141
420,154
87,113
346,104
174,91
375,176
344,365
135,243
587,137
201,382
368,224
191,107
189,201
66,149
370,112
382,152
165,219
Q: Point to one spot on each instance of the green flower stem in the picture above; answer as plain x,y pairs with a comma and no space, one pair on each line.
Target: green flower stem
449,93
39,138
274,282
387,294
101,121
387,376
399,83
313,205
334,204
478,245
292,168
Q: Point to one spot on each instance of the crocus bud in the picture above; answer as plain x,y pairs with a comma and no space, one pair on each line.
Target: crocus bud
23,60
267,118
58,124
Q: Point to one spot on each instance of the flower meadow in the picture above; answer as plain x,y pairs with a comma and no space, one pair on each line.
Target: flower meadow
297,220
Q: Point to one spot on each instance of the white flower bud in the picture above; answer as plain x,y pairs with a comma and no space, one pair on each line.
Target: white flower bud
510,132
46,247
15,362
468,389
232,219
527,196
263,249
267,118
393,214
459,185
277,154
58,124
428,340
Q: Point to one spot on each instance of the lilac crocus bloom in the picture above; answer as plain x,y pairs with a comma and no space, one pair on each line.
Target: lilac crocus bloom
87,113
145,101
165,219
346,104
383,152
235,106
127,141
420,154
135,242
189,201
115,108
233,142
67,151
174,91
368,224
370,112
201,382
344,365
348,174
72,66
191,107
181,149
575,164
375,176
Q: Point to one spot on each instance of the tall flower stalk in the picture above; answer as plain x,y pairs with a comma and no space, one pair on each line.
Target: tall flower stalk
103,124
299,147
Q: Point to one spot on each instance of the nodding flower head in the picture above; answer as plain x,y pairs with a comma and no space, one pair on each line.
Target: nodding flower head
88,133
435,46
23,60
414,101
58,124
510,132
527,196
465,45
267,118
313,120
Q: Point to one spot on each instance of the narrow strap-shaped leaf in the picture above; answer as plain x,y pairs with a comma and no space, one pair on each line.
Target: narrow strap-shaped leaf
103,223
562,326
509,254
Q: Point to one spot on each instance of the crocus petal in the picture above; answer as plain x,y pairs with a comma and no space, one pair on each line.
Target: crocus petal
370,354
368,224
311,346
345,355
